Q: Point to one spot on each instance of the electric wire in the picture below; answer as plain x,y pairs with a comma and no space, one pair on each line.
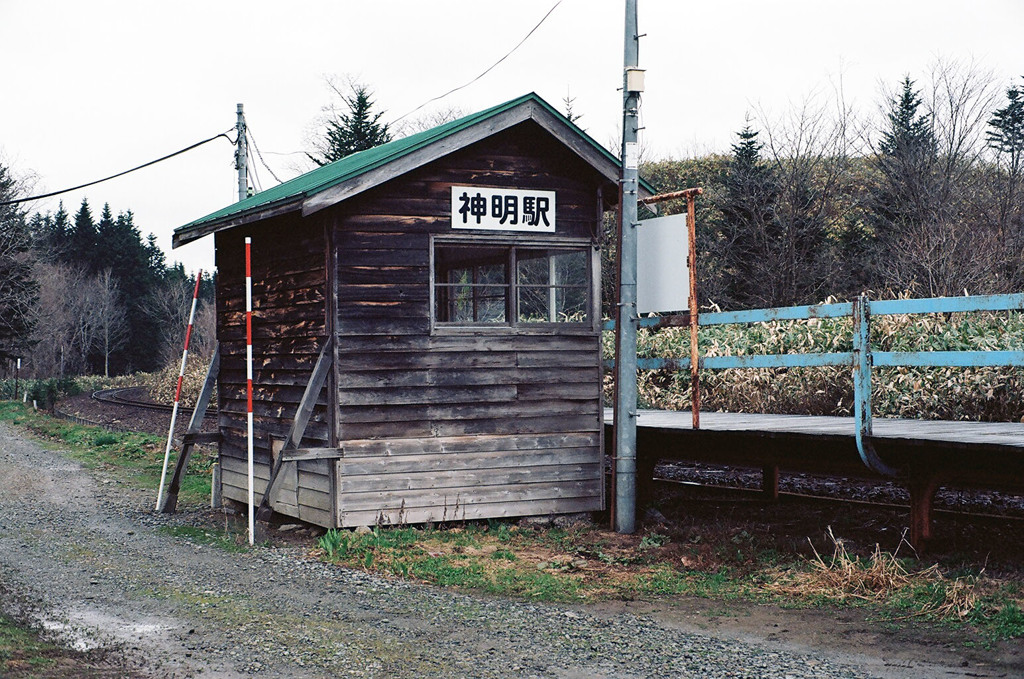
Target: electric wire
489,68
260,155
250,168
119,174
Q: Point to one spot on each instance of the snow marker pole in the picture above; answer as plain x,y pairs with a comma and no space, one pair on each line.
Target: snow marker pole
248,380
177,391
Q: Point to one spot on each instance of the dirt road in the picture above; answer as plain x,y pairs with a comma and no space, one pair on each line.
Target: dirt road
87,557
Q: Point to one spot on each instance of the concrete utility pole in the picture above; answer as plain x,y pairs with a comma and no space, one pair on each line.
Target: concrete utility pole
626,324
240,159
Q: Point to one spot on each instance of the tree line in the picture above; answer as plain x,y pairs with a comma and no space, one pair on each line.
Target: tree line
926,198
87,295
925,201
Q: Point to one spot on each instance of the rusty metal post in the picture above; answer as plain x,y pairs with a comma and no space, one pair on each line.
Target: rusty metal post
691,257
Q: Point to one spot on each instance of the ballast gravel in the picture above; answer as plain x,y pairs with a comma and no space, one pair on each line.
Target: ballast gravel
86,557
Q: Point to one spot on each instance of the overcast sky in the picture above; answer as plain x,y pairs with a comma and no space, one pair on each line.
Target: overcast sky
93,88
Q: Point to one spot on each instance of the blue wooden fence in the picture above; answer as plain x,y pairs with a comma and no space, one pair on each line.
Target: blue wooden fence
861,358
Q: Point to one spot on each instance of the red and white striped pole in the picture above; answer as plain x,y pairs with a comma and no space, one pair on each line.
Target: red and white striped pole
248,380
177,391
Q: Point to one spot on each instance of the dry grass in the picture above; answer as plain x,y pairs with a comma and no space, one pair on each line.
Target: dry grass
985,394
881,578
161,385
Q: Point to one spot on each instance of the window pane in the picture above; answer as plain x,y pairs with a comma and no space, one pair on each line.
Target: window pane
552,285
470,284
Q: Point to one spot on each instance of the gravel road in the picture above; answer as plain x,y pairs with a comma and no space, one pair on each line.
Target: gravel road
85,556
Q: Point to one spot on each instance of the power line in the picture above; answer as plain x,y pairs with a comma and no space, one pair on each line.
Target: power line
260,155
119,174
251,167
489,69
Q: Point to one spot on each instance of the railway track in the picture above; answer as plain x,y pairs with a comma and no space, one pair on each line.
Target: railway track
966,507
124,396
739,483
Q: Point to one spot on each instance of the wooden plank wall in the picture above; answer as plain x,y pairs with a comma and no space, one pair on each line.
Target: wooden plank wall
500,422
289,327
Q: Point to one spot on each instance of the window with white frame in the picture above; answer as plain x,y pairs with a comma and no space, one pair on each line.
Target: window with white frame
514,285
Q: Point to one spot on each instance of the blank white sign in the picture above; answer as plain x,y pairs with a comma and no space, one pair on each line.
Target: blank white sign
662,277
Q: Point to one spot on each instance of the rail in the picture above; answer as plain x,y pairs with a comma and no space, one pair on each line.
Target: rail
860,359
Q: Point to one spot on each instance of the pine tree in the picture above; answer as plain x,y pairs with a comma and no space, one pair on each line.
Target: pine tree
18,287
751,226
357,129
51,234
1006,138
83,239
907,157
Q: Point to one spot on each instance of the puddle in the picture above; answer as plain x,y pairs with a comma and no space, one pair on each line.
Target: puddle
85,630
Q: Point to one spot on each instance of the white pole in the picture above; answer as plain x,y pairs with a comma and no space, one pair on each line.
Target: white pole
177,391
248,380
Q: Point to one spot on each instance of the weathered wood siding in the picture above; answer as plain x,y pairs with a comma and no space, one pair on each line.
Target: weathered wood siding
289,326
459,423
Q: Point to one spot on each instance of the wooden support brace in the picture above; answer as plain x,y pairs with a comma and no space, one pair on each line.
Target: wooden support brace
301,454
192,435
200,438
298,428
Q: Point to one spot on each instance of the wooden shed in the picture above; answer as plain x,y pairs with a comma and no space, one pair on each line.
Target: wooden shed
432,308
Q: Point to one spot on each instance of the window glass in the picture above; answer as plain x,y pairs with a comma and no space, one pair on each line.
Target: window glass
552,285
472,285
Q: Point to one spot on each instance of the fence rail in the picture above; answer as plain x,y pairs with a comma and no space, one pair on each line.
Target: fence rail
861,359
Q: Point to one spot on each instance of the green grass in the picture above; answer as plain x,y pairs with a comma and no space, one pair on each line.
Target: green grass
22,651
501,559
226,540
986,393
132,458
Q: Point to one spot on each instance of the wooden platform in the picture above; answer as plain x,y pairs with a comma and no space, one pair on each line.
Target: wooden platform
1001,434
989,453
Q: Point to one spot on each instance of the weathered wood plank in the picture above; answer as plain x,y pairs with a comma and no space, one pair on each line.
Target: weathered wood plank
496,425
383,292
453,498
458,374
479,480
470,412
353,274
417,515
388,398
467,444
412,464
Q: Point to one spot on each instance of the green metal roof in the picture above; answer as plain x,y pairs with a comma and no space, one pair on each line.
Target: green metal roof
294,191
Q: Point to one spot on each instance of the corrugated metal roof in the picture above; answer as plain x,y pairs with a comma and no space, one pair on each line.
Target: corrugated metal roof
322,178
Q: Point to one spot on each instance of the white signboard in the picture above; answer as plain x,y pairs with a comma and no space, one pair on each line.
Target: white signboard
632,155
503,209
663,278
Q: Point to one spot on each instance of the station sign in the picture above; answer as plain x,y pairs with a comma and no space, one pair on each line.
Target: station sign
663,277
503,209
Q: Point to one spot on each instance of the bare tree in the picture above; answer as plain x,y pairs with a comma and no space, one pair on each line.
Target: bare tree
170,307
925,194
109,317
63,324
808,149
427,121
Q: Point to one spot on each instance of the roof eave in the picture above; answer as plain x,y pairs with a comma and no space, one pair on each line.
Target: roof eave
187,235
